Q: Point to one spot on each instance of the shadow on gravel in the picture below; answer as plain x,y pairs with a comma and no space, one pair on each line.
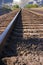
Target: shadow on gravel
34,44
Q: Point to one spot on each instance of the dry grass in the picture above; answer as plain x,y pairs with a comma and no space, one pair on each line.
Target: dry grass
40,8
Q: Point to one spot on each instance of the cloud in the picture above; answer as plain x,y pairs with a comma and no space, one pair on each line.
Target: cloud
17,1
24,2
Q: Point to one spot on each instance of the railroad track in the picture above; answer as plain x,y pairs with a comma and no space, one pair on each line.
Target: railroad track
26,37
6,27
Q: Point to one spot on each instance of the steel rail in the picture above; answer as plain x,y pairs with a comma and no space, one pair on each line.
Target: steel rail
8,29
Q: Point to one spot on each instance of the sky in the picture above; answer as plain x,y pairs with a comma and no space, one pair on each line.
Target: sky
16,0
20,2
23,2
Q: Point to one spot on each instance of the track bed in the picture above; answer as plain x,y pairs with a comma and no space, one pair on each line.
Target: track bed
24,46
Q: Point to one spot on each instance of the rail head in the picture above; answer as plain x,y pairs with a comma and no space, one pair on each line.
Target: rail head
4,34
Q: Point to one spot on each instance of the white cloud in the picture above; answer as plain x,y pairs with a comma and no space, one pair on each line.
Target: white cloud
23,2
17,1
34,2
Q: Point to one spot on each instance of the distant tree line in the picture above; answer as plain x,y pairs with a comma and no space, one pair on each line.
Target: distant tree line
9,8
31,6
15,6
